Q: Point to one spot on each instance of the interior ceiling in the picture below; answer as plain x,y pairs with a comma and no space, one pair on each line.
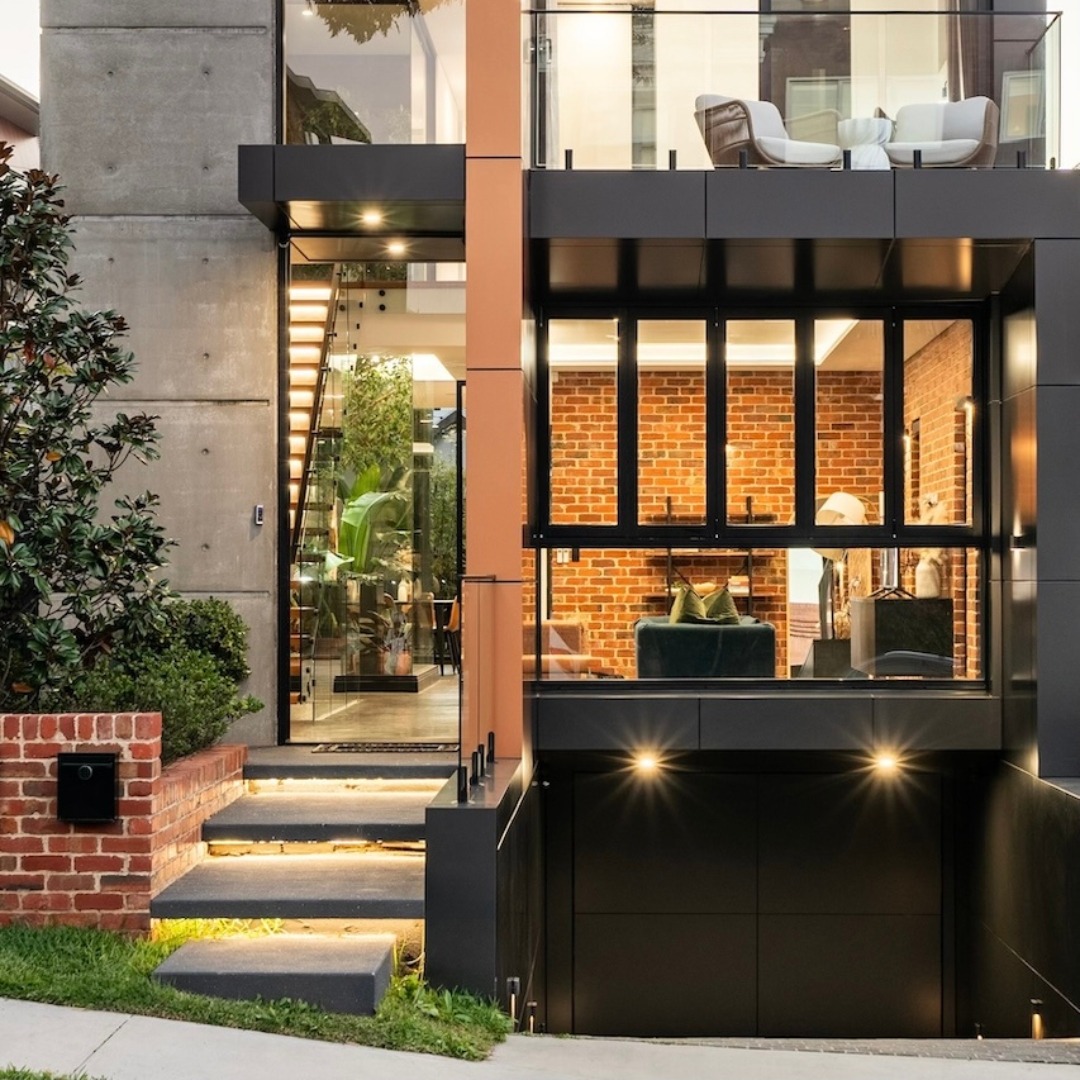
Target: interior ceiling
881,271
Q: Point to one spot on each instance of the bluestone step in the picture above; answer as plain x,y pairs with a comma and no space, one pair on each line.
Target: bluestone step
340,886
301,762
345,816
346,974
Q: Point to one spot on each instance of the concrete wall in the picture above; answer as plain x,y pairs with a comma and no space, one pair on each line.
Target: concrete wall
144,105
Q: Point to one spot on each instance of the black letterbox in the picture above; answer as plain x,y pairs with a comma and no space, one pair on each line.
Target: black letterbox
86,787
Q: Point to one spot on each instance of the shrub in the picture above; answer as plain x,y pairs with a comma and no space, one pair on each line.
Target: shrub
196,699
206,626
73,578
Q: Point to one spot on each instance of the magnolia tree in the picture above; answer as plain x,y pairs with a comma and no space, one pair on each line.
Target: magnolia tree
76,580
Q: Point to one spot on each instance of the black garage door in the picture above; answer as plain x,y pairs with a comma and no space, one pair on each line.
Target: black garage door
727,904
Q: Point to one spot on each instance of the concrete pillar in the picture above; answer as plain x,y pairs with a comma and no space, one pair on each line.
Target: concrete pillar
144,103
494,244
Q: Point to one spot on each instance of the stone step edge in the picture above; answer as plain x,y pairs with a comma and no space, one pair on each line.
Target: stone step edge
238,848
245,969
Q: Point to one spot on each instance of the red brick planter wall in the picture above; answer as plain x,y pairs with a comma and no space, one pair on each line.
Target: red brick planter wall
101,875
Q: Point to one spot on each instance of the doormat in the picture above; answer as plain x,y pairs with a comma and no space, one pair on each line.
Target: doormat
385,748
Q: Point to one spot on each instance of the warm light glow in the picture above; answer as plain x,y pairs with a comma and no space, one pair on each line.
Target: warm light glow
309,292
646,763
886,762
371,218
308,312
306,332
427,367
395,248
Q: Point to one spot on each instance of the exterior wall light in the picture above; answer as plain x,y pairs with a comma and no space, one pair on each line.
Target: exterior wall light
371,218
395,248
646,762
1037,1028
886,762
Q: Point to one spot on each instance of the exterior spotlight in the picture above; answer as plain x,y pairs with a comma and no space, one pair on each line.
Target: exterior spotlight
371,217
395,248
886,762
646,763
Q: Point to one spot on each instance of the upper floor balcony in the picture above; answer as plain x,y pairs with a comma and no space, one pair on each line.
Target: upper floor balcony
622,88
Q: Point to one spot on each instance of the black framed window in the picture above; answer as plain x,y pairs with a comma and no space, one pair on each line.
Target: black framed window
820,464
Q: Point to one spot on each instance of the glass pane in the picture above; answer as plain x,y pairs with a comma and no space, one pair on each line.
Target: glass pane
884,613
864,613
374,73
374,448
849,418
939,413
760,447
583,361
671,421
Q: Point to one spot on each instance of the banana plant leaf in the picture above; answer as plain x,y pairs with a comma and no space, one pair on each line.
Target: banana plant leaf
369,524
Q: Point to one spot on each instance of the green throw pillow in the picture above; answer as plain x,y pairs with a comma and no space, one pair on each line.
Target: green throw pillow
687,606
720,607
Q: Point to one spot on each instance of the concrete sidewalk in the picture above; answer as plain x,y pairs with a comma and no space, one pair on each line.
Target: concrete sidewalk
120,1047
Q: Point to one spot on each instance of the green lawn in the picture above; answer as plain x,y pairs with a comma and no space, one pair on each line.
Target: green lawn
97,970
27,1074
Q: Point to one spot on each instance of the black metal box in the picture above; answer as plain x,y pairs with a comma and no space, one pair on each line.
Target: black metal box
86,787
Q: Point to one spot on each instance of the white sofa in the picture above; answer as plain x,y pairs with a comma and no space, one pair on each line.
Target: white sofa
729,125
955,133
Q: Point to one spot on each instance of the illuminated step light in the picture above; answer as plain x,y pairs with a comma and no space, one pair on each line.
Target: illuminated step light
303,376
296,468
304,354
297,443
294,494
299,421
303,293
308,312
303,332
301,399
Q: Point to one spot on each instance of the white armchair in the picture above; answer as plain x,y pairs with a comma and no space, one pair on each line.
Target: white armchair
956,133
729,125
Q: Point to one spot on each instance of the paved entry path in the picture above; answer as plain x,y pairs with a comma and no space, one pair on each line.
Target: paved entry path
120,1047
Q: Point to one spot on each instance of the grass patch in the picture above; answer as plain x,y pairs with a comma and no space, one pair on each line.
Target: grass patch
29,1074
94,969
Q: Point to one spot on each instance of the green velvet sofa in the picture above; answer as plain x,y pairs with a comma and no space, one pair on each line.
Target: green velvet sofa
704,650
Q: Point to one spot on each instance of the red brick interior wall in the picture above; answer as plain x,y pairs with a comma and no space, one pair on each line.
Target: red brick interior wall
609,590
101,875
936,379
584,454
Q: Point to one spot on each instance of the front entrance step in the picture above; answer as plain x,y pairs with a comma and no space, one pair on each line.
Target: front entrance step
346,974
342,817
301,762
344,886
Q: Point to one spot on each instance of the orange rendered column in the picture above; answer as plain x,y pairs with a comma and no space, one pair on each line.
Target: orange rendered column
494,402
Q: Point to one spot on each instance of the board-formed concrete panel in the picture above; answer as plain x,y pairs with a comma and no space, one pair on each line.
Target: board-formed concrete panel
200,296
218,460
144,13
147,121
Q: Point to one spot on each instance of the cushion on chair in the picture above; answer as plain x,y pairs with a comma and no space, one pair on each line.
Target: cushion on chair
933,153
794,152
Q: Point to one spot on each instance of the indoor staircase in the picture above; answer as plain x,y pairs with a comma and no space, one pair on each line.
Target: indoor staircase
332,847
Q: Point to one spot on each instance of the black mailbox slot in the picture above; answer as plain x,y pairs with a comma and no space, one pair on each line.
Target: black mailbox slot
86,787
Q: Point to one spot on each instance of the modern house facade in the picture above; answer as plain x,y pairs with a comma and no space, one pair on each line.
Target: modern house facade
776,303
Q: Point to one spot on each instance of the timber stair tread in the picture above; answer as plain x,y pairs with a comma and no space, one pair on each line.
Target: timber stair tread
301,762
